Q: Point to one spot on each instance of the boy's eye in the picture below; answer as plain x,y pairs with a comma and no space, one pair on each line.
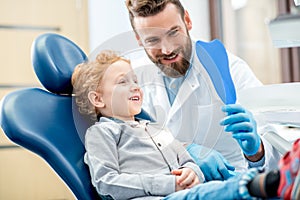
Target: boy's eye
134,78
121,81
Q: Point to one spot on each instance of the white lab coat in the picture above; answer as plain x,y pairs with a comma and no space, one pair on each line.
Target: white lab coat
196,112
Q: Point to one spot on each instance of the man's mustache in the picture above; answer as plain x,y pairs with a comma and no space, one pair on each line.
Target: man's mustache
174,53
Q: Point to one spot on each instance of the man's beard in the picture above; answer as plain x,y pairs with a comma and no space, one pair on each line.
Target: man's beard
176,69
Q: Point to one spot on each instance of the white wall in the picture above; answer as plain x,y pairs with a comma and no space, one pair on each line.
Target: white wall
108,18
199,13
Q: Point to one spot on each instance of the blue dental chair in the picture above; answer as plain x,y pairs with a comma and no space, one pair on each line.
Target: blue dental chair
46,121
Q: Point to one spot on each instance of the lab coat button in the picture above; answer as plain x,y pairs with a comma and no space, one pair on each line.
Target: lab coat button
159,144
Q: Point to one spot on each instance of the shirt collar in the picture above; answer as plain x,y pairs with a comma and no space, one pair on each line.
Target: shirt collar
134,123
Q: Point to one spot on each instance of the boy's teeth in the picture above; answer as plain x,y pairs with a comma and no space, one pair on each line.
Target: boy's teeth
134,98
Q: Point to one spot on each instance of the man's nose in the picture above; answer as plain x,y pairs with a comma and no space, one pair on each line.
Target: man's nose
167,47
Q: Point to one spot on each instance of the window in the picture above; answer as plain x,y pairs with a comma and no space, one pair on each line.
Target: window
242,26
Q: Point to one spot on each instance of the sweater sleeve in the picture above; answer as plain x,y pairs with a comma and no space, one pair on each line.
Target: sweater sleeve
102,158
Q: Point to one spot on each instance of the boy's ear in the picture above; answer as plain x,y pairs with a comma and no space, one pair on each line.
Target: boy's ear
96,99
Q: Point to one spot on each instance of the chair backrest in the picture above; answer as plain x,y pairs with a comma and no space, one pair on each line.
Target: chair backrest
46,121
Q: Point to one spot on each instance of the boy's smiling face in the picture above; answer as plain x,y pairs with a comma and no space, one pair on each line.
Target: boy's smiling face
120,96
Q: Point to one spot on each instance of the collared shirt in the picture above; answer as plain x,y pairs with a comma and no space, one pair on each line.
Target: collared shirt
133,159
173,84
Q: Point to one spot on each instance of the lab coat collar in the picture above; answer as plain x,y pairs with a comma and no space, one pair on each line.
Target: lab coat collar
189,85
161,92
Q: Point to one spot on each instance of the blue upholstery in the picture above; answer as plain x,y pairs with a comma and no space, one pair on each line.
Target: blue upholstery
45,121
54,58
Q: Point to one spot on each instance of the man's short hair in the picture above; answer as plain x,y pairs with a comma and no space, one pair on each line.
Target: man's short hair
145,8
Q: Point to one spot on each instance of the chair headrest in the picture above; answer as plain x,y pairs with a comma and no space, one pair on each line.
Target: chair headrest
54,58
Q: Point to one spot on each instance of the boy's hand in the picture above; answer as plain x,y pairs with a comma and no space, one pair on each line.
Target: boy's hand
185,178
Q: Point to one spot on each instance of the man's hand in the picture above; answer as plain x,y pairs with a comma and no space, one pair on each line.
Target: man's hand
185,178
241,123
212,164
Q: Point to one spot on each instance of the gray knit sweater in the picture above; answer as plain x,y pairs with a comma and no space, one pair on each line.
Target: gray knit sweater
134,159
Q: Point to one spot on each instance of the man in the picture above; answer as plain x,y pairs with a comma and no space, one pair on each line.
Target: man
181,94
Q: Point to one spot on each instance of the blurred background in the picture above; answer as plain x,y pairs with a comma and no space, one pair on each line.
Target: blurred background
242,25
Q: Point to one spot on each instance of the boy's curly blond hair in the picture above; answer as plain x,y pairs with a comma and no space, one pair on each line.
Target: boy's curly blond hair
87,77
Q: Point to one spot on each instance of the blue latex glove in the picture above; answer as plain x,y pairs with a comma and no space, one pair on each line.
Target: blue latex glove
241,123
213,165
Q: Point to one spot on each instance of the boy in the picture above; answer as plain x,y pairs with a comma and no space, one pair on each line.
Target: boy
128,158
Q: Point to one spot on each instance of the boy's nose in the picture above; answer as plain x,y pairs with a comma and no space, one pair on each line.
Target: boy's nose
135,87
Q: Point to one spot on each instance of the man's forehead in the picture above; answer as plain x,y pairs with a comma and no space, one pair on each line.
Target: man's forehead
153,31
